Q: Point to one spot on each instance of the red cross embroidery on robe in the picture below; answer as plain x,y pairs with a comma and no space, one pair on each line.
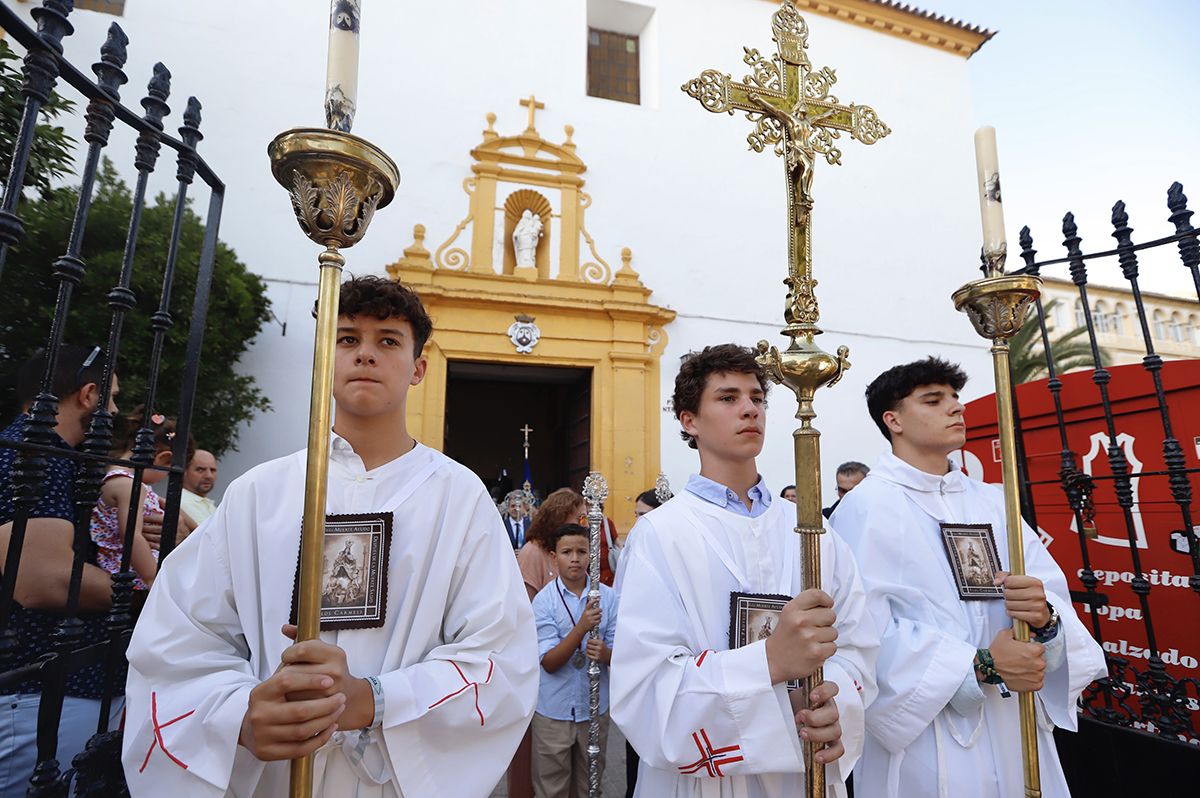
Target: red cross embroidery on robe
711,759
158,738
466,686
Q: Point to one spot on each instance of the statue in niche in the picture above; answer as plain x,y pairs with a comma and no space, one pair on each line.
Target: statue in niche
525,237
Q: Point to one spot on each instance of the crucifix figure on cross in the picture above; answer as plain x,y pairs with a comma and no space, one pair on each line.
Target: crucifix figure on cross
793,111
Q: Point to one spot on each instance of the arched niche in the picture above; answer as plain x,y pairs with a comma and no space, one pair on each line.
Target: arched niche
517,203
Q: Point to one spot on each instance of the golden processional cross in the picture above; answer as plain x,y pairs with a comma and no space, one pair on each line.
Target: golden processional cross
793,112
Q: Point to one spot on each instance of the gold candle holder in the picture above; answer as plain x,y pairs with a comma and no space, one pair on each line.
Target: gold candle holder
336,181
997,306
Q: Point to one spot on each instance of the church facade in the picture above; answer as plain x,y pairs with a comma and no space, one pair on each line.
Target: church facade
660,231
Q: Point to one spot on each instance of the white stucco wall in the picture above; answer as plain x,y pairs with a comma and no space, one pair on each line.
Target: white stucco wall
896,226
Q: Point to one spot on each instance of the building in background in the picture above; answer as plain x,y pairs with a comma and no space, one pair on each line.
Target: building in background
619,158
1174,321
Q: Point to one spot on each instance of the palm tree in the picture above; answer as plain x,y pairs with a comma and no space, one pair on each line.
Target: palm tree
1072,350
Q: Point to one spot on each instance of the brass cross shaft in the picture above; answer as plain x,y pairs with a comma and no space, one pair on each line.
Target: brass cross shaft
793,112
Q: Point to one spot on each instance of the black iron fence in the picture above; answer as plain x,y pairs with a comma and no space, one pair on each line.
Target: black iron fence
1141,692
96,771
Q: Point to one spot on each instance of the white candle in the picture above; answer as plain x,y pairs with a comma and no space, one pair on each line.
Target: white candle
991,208
341,75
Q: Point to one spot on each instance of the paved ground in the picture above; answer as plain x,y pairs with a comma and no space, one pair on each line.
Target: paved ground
614,769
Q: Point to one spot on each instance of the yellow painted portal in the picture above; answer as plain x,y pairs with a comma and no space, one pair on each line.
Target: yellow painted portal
484,302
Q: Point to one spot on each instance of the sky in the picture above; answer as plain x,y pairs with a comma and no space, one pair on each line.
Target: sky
1093,101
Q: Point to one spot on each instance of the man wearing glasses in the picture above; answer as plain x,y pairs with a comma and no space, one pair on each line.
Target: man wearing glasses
848,476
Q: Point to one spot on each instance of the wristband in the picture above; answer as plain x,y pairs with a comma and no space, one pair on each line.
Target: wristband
377,694
985,666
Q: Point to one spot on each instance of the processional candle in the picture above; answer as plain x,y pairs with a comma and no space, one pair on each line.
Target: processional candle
341,74
991,209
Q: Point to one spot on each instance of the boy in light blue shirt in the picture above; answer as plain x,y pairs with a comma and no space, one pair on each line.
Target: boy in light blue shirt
564,617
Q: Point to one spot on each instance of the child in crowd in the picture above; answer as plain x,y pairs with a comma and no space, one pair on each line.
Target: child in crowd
536,558
564,616
112,508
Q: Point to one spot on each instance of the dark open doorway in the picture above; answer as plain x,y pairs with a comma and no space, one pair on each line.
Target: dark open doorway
488,404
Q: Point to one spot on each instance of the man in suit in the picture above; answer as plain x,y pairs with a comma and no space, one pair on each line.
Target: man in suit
516,518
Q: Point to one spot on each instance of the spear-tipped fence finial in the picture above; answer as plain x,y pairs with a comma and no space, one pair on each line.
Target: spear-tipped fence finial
1189,247
1028,253
1124,235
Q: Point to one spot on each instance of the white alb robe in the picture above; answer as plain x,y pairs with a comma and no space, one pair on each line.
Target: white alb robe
457,655
919,744
705,719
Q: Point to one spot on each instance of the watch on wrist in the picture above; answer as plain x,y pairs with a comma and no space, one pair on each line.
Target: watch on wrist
1045,632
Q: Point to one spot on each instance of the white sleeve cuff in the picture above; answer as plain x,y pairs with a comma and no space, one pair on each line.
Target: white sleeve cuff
745,670
400,701
969,695
1056,648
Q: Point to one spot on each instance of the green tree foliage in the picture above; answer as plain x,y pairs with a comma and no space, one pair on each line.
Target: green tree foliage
50,157
1071,350
238,304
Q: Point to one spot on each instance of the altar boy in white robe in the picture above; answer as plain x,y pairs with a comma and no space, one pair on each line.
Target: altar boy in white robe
710,715
425,674
944,725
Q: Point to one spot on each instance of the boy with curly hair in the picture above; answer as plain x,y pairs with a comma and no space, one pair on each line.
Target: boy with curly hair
426,692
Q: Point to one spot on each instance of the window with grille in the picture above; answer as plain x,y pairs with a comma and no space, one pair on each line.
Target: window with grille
613,66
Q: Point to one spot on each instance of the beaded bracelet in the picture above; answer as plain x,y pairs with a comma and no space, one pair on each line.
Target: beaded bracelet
985,666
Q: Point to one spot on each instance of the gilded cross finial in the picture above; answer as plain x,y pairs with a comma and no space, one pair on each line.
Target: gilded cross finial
793,113
534,106
526,429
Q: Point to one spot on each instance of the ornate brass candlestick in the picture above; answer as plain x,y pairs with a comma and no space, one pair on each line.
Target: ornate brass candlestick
336,181
997,306
794,112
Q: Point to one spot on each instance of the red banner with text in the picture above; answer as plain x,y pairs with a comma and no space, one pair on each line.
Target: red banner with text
1155,525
